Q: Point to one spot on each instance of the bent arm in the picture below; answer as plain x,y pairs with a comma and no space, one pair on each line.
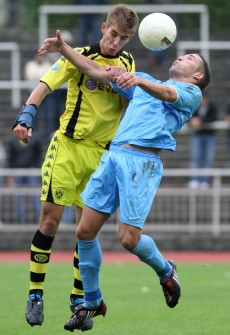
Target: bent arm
36,97
160,91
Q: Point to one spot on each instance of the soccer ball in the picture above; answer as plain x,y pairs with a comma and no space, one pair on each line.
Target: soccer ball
157,31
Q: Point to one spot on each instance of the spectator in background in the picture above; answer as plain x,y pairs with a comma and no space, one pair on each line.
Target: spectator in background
157,58
21,155
203,142
33,71
3,155
89,24
13,7
3,160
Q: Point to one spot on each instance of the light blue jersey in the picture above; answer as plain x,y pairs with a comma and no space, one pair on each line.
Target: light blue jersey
145,115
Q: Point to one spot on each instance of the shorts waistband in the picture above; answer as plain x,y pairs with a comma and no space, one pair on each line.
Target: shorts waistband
145,149
133,150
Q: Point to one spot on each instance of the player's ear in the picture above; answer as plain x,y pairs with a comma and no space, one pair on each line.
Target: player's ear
103,27
198,75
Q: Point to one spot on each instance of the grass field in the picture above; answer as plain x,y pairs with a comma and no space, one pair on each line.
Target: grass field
135,301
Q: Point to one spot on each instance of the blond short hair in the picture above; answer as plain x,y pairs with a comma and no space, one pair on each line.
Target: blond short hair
124,17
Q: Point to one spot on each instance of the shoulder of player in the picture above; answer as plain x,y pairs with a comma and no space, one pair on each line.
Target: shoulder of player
83,50
126,54
185,85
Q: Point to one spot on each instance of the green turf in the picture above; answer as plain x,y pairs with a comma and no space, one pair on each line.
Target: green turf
135,301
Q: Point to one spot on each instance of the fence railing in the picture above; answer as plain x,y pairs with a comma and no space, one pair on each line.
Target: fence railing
176,207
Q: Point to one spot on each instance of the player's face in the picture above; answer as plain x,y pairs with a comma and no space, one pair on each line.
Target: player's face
113,39
186,65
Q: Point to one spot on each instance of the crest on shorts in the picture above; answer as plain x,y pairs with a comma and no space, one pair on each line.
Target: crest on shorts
58,194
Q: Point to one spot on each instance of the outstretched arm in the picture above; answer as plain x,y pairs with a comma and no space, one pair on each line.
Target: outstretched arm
84,64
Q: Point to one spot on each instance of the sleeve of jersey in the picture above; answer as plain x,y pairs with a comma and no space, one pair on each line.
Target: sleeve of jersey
128,93
188,99
133,66
128,61
59,74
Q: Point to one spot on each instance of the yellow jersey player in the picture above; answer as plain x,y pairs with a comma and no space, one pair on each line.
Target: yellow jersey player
93,112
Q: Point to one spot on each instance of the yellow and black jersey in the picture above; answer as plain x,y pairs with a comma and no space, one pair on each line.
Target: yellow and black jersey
93,110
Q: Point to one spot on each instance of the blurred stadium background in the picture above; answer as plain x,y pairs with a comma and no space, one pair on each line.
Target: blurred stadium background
181,218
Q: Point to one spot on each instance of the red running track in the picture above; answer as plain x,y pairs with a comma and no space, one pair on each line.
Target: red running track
125,257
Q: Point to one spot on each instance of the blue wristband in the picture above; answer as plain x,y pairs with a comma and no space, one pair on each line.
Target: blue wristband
26,115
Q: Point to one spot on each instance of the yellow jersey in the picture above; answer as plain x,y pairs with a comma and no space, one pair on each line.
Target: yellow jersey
93,109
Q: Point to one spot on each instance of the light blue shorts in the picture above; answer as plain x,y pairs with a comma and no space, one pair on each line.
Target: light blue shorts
125,178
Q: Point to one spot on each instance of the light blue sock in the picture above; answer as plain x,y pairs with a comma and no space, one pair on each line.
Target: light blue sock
147,251
90,258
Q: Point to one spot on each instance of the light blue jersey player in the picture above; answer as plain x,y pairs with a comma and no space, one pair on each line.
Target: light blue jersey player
130,173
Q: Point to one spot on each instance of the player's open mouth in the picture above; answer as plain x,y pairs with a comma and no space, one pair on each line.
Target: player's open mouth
112,49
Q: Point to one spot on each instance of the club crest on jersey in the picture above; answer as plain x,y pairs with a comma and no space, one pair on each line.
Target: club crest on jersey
55,67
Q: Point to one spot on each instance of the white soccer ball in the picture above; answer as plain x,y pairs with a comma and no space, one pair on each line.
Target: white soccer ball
157,31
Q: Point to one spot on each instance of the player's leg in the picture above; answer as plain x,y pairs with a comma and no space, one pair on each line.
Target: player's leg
90,257
100,193
58,190
140,176
89,156
39,259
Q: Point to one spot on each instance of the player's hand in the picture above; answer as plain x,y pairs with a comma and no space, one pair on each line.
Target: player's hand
127,79
52,44
115,71
22,133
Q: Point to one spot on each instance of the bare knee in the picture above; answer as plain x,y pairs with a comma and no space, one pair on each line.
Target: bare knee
129,237
90,223
49,227
83,233
50,218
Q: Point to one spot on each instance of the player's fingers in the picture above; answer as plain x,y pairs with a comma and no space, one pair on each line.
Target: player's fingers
58,34
42,52
30,130
43,49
